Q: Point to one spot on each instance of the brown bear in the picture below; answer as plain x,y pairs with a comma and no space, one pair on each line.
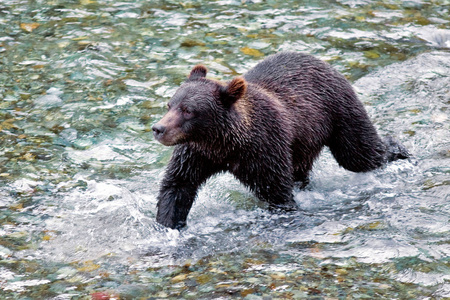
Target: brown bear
266,128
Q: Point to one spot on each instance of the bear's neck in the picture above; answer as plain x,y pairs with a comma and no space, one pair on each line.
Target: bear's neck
231,136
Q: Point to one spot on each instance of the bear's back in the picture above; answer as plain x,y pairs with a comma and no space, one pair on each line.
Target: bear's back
283,69
303,81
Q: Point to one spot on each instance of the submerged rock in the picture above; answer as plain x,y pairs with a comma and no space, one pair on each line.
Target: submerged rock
51,99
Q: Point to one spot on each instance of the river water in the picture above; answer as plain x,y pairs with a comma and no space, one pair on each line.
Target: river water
82,82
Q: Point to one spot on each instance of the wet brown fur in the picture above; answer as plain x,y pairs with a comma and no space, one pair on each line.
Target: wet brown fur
266,128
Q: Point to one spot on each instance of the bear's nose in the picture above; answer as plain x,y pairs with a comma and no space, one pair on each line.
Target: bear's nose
158,129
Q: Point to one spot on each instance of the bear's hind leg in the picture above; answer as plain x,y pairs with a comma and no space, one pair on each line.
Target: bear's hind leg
358,148
278,194
303,163
274,188
395,150
301,179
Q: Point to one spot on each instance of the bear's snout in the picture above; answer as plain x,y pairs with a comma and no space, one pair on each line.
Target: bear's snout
168,130
158,130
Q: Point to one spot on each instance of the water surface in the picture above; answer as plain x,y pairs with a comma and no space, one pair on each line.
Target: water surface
82,82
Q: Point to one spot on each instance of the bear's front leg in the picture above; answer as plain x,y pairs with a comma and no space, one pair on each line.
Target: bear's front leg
186,172
174,202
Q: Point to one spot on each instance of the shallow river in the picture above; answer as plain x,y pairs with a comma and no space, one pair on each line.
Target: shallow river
82,82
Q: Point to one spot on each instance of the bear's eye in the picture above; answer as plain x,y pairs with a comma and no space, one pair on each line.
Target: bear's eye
187,113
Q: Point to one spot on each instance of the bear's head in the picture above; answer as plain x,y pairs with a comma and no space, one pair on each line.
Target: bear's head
199,109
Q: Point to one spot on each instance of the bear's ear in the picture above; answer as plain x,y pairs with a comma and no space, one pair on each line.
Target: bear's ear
234,90
197,72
